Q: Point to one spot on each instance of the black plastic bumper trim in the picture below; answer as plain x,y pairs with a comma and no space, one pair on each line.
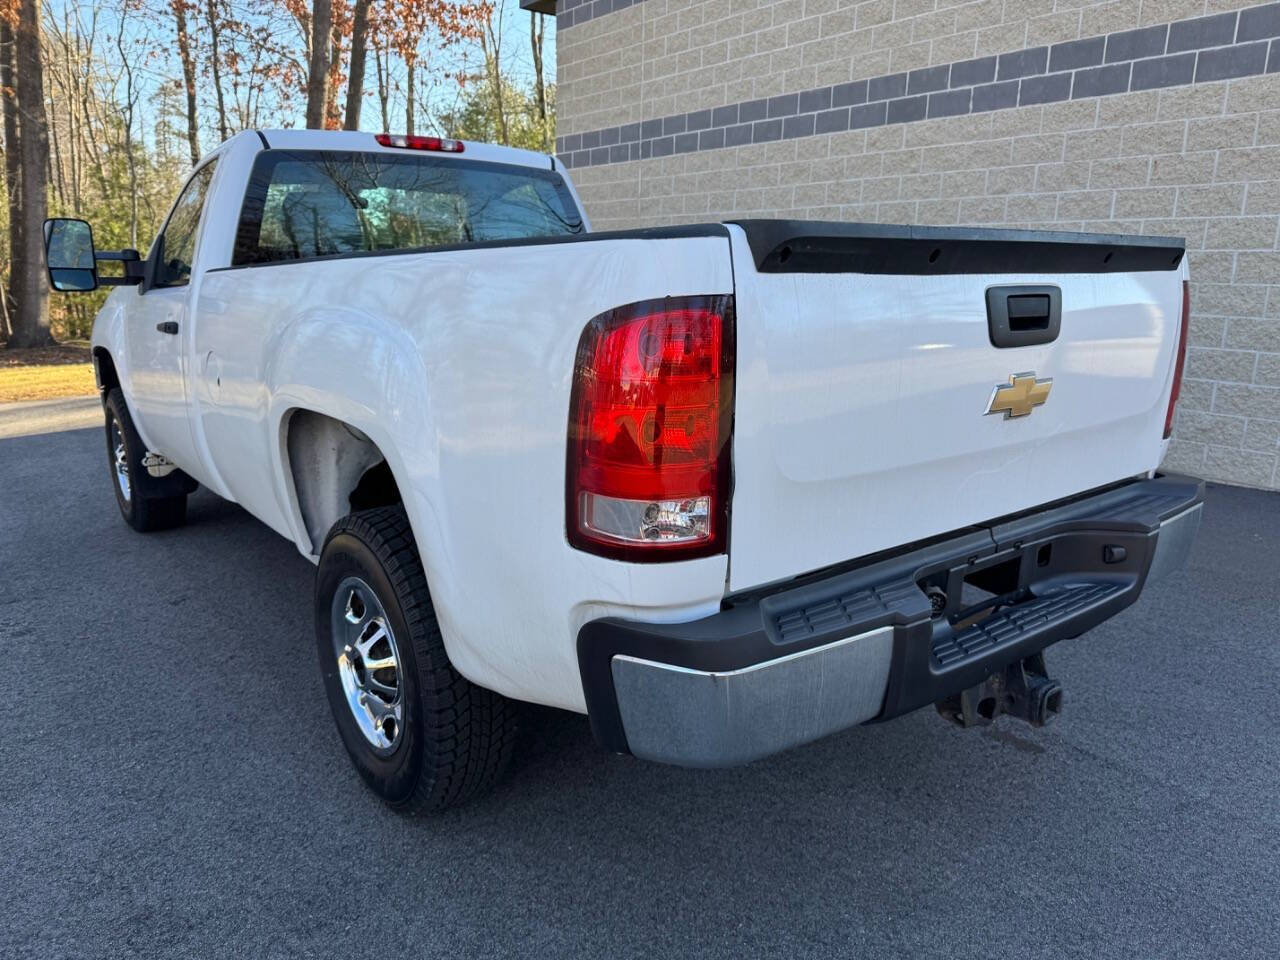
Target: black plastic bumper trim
931,658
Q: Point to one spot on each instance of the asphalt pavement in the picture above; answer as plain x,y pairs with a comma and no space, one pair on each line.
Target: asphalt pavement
48,416
173,784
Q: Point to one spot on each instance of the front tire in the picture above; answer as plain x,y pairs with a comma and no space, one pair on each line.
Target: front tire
421,735
140,507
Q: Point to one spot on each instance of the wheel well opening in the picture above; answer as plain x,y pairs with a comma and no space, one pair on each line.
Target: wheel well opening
105,370
336,470
377,488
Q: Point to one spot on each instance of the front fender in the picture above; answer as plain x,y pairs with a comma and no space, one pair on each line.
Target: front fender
108,334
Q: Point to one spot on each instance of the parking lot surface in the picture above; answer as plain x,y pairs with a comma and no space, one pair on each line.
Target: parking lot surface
173,784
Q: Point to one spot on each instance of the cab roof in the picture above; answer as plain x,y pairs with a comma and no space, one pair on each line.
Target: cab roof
356,140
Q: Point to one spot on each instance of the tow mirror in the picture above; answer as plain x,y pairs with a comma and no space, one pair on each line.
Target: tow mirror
73,262
68,253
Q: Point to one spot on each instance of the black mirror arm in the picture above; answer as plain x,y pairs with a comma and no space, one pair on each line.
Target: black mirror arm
134,267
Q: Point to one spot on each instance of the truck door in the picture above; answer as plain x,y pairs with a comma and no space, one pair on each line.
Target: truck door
158,333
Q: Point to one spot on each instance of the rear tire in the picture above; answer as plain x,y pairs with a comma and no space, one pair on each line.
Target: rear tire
141,509
421,735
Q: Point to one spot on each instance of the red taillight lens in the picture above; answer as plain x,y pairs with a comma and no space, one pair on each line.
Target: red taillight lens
649,423
419,143
1182,357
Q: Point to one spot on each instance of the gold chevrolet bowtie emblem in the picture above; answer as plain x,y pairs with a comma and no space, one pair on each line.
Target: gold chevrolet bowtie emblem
1020,396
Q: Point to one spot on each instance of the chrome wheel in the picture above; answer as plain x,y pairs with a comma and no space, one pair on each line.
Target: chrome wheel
368,664
120,459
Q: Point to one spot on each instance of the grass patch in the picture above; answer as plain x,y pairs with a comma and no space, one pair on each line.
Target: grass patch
46,373
46,383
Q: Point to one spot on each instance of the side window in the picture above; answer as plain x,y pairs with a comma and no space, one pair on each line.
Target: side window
176,248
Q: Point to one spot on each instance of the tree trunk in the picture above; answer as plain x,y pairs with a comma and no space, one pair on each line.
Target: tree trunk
58,187
215,63
408,102
31,319
188,77
72,108
499,105
491,47
355,77
130,101
537,31
12,188
318,68
384,86
6,329
332,115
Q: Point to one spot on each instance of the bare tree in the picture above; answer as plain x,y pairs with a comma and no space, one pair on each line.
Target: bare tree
339,30
265,69
30,294
382,66
127,110
491,46
215,64
179,8
11,171
355,78
409,99
537,33
318,68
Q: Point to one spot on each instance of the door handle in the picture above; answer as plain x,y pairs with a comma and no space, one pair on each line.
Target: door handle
1024,316
169,326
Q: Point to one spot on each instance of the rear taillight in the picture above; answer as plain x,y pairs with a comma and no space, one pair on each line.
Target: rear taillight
1181,359
405,142
649,423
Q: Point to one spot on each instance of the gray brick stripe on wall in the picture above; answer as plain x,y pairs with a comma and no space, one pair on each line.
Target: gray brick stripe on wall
570,13
1219,47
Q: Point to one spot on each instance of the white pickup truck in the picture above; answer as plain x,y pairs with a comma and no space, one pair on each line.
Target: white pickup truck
724,488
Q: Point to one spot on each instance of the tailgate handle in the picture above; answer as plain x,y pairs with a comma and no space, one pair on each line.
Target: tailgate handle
1024,316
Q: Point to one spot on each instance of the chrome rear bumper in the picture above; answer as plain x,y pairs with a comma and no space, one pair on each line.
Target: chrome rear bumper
701,718
797,662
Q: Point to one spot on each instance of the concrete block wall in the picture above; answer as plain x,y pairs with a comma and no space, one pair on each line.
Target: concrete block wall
1133,116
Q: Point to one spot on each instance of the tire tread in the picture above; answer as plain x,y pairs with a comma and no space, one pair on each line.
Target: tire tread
470,732
146,514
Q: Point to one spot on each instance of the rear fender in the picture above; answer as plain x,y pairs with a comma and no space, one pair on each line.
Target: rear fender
368,374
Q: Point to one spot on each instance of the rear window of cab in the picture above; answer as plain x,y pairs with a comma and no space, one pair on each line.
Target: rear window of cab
303,204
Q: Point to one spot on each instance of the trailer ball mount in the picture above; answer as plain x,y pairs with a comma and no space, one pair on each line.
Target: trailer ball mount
1022,690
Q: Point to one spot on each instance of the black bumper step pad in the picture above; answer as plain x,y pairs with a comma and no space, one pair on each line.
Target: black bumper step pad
1011,623
851,611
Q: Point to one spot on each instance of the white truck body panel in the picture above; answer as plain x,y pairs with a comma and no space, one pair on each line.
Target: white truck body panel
860,419
458,366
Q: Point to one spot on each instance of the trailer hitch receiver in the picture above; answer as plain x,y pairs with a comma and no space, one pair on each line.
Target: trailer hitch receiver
1022,690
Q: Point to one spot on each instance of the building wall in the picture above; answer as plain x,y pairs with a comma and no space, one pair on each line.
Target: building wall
1134,116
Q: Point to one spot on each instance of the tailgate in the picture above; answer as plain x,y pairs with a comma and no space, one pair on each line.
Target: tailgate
867,367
